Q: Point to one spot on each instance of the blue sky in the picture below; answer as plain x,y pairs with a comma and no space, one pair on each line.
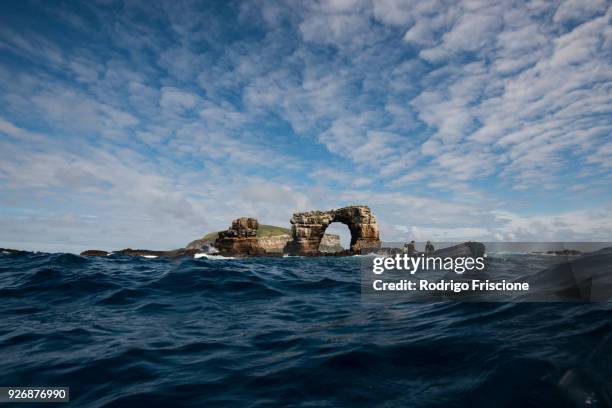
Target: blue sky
147,124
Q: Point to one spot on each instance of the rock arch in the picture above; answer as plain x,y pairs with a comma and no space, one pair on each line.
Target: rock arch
309,227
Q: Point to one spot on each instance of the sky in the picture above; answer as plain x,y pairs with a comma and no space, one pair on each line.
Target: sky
148,124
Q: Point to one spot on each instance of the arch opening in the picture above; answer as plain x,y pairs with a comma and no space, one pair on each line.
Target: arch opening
336,238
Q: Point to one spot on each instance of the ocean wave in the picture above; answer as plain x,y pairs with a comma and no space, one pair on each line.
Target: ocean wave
212,256
126,331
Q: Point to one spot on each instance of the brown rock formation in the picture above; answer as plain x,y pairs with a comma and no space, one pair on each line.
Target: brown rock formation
277,243
240,239
309,227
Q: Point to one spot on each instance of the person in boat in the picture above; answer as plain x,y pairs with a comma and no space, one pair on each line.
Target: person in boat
410,248
429,248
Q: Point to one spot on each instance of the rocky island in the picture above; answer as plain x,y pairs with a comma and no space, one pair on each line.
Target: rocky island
307,237
271,238
246,237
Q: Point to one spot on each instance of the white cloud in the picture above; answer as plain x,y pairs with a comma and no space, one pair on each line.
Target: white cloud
394,12
177,99
9,129
576,11
378,147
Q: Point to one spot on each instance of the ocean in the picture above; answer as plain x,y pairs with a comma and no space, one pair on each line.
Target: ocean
263,332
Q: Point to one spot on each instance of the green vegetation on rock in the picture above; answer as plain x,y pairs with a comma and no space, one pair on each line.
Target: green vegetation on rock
272,231
262,231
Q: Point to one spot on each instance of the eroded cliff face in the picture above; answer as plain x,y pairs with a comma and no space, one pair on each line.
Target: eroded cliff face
309,228
277,243
240,239
274,243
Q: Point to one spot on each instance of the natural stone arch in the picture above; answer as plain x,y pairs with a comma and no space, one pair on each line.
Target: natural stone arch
309,227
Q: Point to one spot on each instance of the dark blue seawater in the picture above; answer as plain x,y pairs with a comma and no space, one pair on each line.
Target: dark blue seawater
124,331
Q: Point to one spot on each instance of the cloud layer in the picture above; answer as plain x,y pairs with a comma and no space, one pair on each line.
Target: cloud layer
149,124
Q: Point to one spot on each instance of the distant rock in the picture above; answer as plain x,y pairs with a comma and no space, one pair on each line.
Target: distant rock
142,252
331,244
146,252
11,251
94,252
465,249
585,278
565,252
139,252
240,239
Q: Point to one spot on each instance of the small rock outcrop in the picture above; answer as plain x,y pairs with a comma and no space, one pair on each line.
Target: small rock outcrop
94,252
11,251
466,249
175,253
147,252
565,252
240,239
309,228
